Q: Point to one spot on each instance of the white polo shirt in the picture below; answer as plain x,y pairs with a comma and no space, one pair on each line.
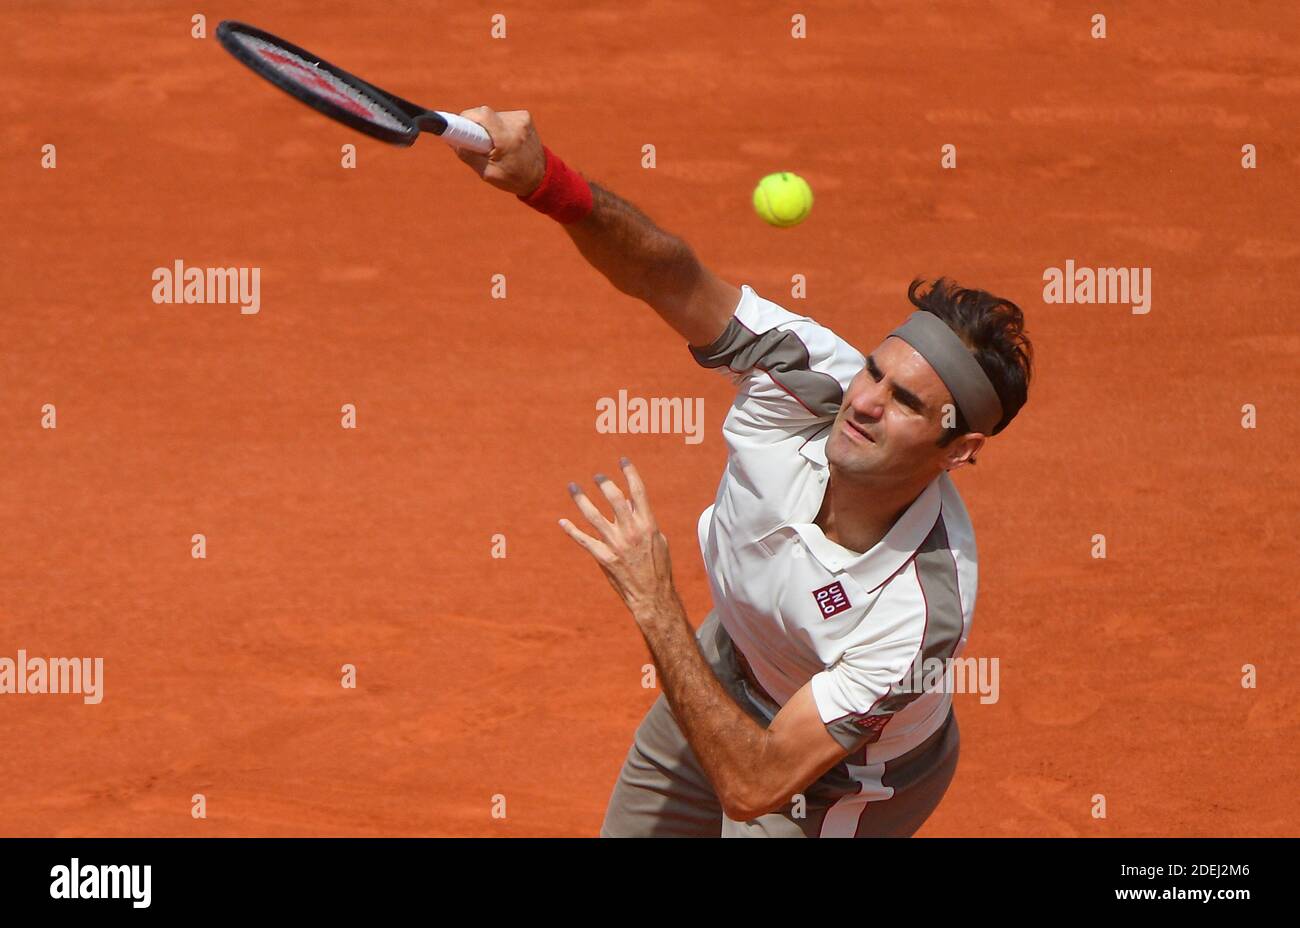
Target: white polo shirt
863,627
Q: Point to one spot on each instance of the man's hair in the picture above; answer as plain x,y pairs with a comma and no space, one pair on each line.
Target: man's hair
994,331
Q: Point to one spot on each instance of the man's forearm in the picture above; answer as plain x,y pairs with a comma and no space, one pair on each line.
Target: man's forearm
626,246
619,240
643,261
728,742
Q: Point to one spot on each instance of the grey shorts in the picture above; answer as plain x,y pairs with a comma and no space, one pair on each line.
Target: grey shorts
662,791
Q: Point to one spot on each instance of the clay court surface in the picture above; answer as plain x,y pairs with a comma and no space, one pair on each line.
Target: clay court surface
522,676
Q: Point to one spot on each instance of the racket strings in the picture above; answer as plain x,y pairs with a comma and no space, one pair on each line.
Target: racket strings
321,83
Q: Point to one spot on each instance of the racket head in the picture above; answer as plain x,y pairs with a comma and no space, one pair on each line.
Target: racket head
324,87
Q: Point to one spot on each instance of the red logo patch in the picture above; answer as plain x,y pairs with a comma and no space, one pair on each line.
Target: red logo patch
831,600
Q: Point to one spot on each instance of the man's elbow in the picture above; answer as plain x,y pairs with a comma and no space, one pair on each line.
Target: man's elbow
672,274
746,801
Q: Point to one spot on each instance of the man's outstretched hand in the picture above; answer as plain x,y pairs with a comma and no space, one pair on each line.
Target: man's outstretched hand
516,162
631,550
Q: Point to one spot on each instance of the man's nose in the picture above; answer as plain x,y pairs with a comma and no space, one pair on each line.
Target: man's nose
869,402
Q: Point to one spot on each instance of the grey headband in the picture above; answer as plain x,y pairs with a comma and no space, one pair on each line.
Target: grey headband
956,366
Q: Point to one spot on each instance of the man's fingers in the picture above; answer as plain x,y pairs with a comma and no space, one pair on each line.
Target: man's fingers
475,160
489,120
634,485
622,508
485,118
593,547
589,510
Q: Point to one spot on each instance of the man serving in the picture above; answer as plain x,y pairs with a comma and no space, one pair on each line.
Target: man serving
839,554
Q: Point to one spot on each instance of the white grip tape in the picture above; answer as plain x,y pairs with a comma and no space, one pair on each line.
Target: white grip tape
465,133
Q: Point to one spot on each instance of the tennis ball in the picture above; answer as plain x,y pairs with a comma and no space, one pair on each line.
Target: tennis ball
783,199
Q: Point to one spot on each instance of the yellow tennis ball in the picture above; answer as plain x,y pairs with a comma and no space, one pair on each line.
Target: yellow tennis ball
783,199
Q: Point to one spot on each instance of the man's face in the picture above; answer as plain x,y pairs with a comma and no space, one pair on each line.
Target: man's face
892,418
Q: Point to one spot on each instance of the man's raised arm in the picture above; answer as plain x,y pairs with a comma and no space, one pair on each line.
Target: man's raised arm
615,237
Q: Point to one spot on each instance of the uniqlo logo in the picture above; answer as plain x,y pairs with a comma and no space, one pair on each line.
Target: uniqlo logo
831,600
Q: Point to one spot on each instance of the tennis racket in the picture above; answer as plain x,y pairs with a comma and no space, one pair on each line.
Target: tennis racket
343,96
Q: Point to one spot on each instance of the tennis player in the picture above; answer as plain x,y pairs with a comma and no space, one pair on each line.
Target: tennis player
841,559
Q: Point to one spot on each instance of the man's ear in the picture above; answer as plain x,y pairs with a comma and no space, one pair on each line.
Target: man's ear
962,451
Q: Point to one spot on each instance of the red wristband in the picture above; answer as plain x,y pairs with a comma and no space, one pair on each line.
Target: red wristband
563,194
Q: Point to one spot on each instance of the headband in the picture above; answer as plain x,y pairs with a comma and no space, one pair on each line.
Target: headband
956,366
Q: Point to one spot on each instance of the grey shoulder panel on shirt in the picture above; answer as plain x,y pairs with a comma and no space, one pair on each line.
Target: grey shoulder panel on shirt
780,353
936,572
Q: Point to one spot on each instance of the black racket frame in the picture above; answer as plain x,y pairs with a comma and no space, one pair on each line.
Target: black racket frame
416,118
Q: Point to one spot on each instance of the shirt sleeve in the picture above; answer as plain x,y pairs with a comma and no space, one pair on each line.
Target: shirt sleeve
858,695
789,369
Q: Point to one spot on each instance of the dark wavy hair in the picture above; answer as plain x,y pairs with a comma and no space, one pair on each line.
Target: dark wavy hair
994,331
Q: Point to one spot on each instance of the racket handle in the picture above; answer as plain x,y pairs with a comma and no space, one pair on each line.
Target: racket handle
464,133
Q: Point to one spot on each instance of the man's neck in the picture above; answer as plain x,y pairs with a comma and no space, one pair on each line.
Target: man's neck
858,514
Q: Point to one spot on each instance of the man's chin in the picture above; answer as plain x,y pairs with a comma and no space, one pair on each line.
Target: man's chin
845,454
